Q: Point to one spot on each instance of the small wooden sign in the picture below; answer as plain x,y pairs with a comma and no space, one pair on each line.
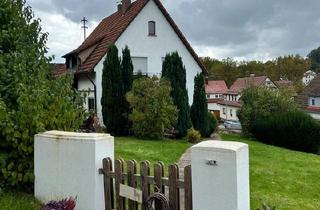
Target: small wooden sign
131,193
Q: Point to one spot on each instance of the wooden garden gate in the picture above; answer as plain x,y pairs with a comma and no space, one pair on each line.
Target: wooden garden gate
156,191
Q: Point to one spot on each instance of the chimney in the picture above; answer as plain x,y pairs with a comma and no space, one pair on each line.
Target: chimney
125,5
119,7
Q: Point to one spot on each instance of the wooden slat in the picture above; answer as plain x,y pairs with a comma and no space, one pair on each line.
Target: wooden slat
158,184
187,188
132,170
118,180
173,187
108,184
145,172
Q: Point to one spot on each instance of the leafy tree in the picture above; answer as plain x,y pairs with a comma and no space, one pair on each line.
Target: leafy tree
314,56
199,108
127,80
31,101
174,71
112,93
259,102
152,108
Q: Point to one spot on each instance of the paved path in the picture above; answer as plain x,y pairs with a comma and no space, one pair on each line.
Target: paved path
184,161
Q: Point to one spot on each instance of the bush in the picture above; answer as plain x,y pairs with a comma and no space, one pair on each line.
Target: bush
31,101
211,124
153,111
193,136
259,102
293,130
65,204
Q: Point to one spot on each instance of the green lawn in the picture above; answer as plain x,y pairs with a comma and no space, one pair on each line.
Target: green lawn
283,178
286,179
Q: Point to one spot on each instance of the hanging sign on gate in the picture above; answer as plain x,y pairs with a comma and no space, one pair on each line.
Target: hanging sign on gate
131,193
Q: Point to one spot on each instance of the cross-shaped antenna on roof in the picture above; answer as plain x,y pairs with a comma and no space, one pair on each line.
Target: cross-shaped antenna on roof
85,27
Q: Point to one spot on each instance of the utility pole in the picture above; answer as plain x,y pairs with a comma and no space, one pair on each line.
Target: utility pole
85,27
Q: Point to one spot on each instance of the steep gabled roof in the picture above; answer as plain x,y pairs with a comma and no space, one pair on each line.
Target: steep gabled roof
242,83
312,90
217,86
58,69
112,27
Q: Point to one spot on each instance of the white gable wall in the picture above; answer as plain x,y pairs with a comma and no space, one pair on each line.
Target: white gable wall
154,48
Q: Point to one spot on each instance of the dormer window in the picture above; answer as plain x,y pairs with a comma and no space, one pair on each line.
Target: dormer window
152,28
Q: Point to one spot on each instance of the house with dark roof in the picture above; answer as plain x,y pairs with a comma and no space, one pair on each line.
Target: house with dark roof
309,98
150,33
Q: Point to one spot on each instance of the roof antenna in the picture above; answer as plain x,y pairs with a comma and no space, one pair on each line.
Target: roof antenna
85,27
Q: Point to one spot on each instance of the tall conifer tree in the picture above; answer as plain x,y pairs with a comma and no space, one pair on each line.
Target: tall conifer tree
199,108
112,93
175,72
127,80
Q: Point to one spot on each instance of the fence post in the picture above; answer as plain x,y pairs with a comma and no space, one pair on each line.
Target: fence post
66,164
220,175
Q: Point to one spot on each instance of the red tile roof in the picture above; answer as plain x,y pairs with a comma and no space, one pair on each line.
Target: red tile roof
58,69
218,86
112,27
230,103
312,90
313,109
242,83
214,100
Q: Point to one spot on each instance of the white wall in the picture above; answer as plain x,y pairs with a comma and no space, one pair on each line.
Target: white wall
66,164
228,116
315,115
213,107
156,47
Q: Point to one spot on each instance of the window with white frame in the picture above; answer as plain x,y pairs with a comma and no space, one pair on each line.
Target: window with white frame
224,111
91,105
231,112
140,64
152,28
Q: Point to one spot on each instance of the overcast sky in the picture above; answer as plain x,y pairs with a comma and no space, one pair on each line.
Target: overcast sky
243,29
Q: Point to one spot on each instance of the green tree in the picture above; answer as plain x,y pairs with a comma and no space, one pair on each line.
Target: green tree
174,71
314,57
199,108
112,93
260,102
31,101
153,111
127,80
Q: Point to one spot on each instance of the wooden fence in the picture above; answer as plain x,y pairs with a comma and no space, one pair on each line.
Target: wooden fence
168,186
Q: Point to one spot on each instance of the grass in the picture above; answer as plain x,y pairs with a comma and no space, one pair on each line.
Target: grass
279,177
286,179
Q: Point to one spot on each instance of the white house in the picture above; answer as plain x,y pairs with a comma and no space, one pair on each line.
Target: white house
150,33
227,104
308,77
309,98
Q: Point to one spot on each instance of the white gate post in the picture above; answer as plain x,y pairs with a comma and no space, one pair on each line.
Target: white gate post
66,164
220,176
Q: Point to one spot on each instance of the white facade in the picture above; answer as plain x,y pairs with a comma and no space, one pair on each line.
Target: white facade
228,112
314,101
308,77
214,95
67,165
148,48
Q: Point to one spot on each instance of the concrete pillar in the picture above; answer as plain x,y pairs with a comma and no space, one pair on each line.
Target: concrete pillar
66,164
220,176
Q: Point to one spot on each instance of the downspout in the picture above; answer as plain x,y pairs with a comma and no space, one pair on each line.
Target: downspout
95,93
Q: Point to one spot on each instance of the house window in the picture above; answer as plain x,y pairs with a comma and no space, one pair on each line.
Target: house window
313,102
231,112
140,65
224,111
152,28
91,104
208,96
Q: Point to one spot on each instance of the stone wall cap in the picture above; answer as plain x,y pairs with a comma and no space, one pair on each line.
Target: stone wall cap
73,135
220,145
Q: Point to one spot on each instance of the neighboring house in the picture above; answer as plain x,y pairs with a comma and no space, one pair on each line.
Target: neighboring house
309,98
286,84
226,108
308,77
150,33
215,91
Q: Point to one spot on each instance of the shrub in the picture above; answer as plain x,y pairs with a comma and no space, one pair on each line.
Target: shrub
31,101
293,130
193,136
259,102
212,123
153,111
